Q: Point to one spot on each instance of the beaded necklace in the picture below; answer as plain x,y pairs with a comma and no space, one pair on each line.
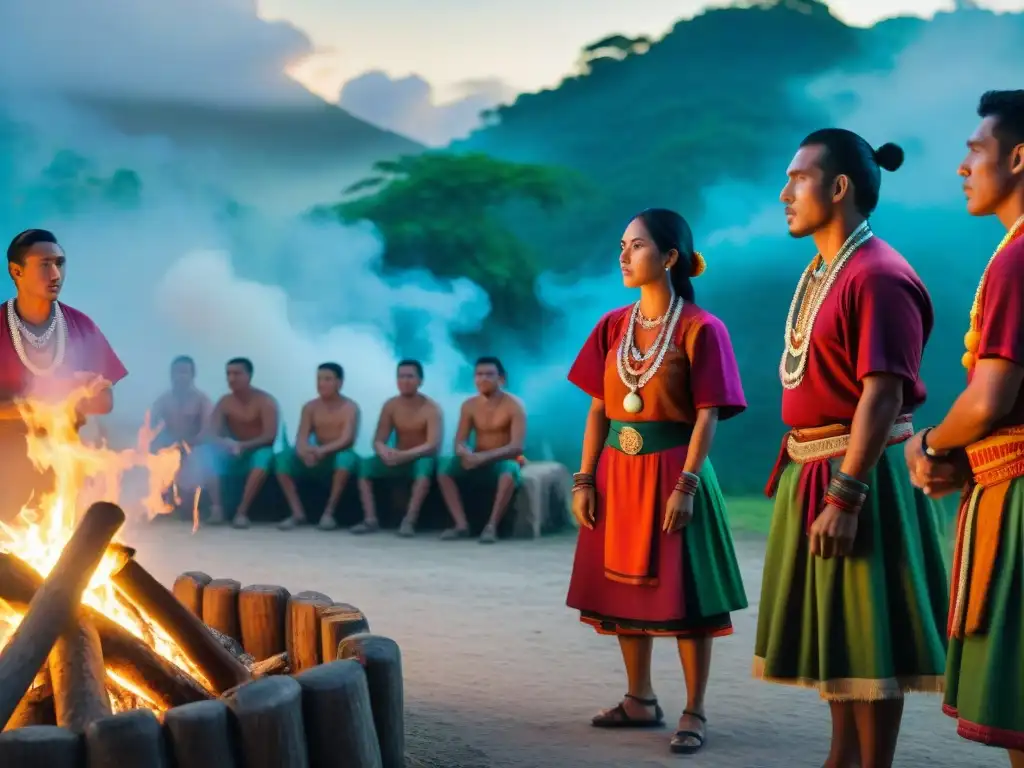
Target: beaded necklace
17,328
972,339
806,303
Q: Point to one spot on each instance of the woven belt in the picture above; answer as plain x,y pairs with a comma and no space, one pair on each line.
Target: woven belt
803,447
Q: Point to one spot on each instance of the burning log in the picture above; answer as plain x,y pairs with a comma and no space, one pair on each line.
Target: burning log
123,653
55,603
126,740
303,629
338,622
261,617
220,606
339,718
36,706
275,665
222,669
200,735
79,679
382,660
269,717
42,745
188,588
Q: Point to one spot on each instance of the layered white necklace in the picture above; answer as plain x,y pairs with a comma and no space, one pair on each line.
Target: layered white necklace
635,379
804,308
19,332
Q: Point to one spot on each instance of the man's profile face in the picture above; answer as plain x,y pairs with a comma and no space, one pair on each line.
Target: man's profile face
987,170
238,377
408,380
806,194
487,378
42,274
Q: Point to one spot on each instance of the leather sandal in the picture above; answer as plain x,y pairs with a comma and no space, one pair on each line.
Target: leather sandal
618,717
678,744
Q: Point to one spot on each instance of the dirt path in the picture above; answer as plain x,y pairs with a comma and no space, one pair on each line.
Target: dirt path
500,674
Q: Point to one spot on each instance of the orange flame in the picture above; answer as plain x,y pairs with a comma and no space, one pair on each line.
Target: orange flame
82,475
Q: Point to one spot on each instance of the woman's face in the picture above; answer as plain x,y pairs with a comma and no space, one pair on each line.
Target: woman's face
640,259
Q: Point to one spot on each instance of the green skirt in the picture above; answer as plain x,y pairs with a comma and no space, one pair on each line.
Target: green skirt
985,672
864,627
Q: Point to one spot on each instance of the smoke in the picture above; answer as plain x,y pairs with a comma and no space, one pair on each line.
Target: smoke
407,105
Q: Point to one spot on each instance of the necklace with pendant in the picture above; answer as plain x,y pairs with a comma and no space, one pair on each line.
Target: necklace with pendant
807,302
972,339
634,379
17,329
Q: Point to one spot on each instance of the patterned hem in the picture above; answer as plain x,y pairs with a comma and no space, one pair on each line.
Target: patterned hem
857,688
713,627
1001,738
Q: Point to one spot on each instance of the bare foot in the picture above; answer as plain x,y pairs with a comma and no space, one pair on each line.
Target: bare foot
291,522
240,521
327,522
367,526
489,535
455,533
216,515
407,529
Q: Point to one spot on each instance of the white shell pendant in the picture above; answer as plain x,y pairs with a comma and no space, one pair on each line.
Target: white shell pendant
632,403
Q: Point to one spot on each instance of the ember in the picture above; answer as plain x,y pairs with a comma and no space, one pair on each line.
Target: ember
95,650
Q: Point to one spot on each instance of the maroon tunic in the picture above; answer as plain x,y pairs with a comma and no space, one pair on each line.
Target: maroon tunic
86,351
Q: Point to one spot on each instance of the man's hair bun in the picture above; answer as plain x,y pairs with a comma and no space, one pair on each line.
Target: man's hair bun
889,156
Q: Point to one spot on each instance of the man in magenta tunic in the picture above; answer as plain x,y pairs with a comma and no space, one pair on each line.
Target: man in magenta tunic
854,578
48,351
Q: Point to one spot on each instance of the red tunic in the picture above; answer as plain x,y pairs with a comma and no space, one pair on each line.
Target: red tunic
876,319
699,371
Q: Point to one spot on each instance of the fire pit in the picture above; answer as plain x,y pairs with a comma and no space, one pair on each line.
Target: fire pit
227,676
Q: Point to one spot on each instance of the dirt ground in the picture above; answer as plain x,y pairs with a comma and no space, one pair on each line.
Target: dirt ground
500,674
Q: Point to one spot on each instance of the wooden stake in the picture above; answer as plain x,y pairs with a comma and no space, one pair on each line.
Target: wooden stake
303,630
79,679
220,606
268,713
336,623
262,612
382,660
188,588
200,735
45,746
55,604
36,706
127,740
339,719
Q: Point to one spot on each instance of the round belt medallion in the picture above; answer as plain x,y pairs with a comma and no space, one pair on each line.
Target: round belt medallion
630,441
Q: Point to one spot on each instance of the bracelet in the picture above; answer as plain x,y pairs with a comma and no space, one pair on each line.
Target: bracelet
582,481
688,483
930,453
846,493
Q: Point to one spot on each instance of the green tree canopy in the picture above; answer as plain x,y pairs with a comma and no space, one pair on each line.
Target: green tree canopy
451,214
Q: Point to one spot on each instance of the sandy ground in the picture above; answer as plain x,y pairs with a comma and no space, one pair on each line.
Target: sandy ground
499,673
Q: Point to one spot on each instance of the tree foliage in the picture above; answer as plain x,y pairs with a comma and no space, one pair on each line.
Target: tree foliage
451,215
70,184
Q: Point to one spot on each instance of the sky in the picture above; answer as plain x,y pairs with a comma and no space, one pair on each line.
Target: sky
524,44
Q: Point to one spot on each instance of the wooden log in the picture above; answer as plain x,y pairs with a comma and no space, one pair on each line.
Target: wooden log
382,661
261,617
79,679
55,604
339,621
188,588
126,740
339,717
123,653
268,715
220,606
275,665
41,746
200,735
221,668
36,706
303,629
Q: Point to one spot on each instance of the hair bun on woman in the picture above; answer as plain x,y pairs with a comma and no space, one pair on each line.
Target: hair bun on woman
889,156
697,264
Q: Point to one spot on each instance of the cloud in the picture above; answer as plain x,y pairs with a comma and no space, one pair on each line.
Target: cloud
197,50
406,105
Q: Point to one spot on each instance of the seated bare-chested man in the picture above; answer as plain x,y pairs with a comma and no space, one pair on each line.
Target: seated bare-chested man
414,421
182,415
328,429
497,422
240,440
